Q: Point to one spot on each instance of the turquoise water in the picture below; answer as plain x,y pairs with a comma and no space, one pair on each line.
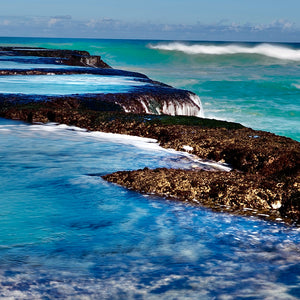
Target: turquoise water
67,234
257,85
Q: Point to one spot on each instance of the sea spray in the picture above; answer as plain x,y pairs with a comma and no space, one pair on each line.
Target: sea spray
182,104
274,51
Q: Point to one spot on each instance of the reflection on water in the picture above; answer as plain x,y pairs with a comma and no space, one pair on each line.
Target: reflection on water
65,234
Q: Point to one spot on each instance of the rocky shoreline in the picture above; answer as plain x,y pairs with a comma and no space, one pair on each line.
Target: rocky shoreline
265,180
265,176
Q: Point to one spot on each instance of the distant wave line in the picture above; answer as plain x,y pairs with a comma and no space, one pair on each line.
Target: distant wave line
297,86
274,51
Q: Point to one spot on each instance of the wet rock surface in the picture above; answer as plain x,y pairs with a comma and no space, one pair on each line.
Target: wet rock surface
66,57
234,191
265,176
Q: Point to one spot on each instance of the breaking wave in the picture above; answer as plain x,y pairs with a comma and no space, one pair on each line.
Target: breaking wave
274,51
297,86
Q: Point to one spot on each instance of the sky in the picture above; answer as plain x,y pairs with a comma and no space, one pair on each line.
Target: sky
246,20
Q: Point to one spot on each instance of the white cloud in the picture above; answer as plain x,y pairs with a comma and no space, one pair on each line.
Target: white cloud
5,22
65,26
52,21
91,23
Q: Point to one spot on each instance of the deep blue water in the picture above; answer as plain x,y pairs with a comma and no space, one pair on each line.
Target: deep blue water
66,233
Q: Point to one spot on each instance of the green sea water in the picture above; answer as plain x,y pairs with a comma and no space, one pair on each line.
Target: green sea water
255,84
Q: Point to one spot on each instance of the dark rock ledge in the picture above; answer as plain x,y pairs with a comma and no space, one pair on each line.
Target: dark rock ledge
265,179
66,57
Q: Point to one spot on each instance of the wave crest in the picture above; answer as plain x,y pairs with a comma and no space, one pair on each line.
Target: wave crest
274,51
297,86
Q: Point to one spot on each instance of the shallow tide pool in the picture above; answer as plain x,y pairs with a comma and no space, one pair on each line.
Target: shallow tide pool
67,84
30,62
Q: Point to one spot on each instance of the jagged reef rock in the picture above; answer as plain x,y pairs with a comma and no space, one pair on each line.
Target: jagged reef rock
222,191
67,57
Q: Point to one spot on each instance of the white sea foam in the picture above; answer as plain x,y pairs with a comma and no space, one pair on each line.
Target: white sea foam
170,107
187,148
180,109
71,132
196,99
148,144
275,51
181,159
297,86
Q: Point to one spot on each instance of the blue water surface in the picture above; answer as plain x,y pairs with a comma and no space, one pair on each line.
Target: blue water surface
29,62
67,84
66,233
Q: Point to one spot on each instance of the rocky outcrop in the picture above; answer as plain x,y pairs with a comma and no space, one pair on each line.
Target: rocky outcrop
67,57
222,191
247,150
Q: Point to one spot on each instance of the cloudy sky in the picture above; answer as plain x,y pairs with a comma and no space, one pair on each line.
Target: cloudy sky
247,20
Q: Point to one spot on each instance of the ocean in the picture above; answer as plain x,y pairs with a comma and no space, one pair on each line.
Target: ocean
66,233
256,84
